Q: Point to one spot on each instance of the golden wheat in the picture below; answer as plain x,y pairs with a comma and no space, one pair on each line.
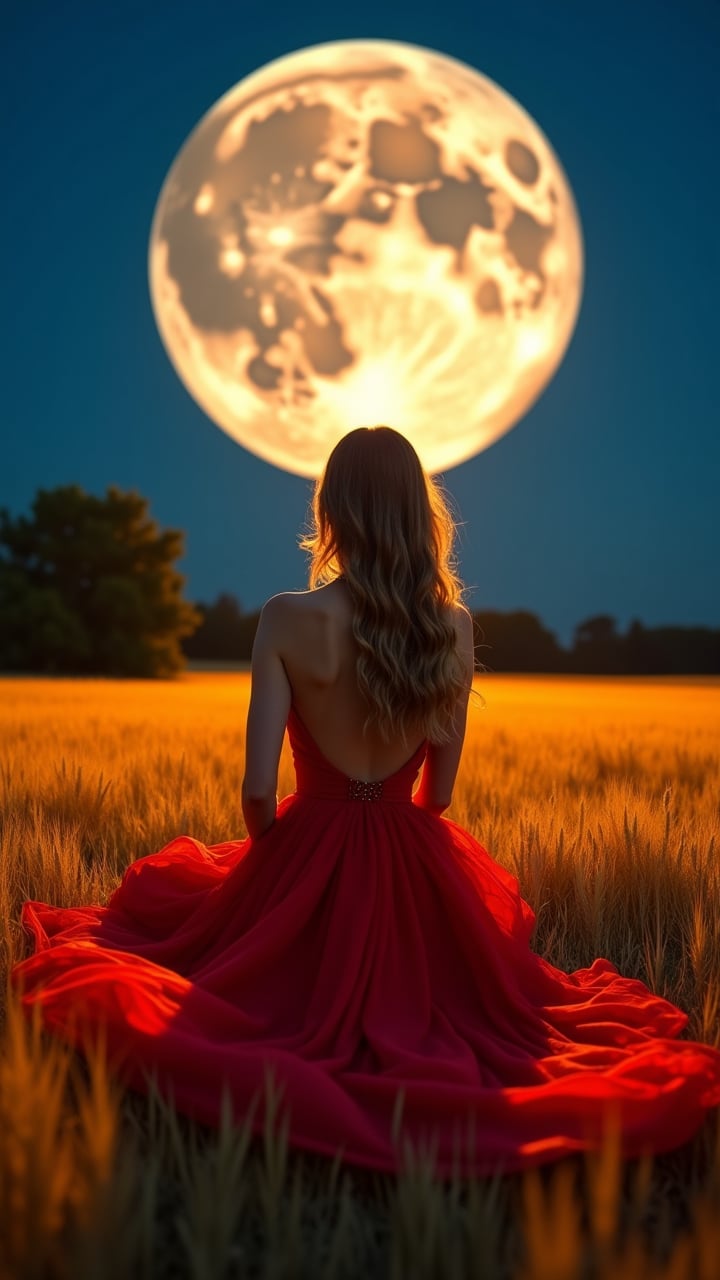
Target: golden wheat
602,795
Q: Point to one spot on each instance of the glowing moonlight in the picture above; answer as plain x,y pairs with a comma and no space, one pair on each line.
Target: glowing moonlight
365,232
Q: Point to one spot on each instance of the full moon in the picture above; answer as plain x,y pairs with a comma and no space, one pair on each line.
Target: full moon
365,232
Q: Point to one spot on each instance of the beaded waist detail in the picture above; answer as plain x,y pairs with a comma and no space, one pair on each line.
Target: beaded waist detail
359,790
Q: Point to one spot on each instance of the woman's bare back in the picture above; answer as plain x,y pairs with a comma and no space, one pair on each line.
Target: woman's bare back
320,658
305,656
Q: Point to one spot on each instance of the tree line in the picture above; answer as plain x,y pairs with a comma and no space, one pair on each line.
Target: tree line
88,586
510,641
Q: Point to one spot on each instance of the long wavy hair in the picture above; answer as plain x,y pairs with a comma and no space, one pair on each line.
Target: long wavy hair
383,525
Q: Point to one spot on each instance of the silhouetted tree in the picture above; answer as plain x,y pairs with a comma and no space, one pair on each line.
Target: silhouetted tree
637,649
225,633
516,641
597,647
672,650
87,585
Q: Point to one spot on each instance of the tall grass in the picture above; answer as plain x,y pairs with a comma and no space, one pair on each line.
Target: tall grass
603,796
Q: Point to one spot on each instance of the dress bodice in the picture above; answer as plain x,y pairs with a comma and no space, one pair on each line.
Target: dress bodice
316,776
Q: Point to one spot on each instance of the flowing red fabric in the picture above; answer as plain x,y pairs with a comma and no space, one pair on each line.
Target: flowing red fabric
375,960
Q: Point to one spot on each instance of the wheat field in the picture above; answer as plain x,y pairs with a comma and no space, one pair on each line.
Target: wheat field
601,794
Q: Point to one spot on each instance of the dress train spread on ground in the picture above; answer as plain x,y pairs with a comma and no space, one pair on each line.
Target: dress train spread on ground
359,947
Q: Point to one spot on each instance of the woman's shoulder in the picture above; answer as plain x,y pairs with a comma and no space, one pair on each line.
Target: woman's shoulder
460,612
462,618
464,635
296,605
308,629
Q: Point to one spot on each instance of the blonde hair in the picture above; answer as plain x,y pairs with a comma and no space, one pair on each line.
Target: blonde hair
383,525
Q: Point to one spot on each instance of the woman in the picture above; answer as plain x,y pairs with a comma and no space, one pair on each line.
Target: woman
360,947
385,640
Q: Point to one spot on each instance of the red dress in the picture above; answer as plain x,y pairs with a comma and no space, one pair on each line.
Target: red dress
359,947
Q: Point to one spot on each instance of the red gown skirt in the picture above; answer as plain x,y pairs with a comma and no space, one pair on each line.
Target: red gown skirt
375,960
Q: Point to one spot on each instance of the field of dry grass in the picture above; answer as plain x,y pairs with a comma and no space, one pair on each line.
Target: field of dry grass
602,795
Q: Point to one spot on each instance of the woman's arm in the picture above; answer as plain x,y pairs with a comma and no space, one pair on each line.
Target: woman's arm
437,780
270,696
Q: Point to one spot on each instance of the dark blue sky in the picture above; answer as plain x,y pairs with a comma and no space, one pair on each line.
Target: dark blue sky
604,498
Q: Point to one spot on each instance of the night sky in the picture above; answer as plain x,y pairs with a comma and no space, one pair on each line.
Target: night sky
603,498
